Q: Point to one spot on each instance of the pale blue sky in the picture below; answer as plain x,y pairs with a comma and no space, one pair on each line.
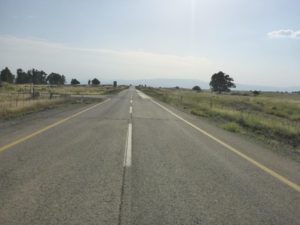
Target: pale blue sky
140,39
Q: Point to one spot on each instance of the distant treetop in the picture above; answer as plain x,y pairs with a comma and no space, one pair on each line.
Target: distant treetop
74,81
95,81
7,76
197,88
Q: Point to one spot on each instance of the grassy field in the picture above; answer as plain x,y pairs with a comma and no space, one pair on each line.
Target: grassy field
271,117
16,100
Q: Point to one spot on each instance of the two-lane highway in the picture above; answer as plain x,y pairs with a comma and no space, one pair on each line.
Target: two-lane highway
132,160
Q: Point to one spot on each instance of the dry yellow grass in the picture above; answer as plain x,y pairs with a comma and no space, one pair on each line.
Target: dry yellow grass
18,99
12,109
273,116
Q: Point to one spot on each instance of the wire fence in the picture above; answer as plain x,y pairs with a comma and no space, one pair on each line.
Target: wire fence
28,96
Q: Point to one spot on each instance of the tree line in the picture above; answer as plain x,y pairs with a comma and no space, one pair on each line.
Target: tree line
220,82
34,76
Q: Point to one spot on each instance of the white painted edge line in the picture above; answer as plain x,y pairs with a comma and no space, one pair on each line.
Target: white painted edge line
269,171
131,101
128,147
130,109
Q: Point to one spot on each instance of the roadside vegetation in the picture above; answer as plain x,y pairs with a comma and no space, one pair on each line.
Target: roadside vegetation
272,117
16,100
35,90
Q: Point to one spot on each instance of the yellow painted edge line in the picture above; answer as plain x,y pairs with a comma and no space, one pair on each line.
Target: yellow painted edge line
25,138
234,150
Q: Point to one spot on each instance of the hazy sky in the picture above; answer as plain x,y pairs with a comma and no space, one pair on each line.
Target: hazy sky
256,42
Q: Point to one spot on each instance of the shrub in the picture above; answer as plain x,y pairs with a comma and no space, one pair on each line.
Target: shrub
231,126
255,93
196,88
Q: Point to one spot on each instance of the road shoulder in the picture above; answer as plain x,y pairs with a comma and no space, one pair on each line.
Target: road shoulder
283,165
14,128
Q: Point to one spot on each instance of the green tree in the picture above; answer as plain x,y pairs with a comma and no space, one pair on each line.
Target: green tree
7,76
63,79
255,92
196,88
74,81
115,84
55,78
95,81
221,82
37,77
31,76
22,77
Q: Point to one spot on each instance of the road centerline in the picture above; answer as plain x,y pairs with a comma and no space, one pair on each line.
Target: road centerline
128,147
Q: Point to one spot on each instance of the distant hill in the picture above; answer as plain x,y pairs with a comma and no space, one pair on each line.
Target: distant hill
189,83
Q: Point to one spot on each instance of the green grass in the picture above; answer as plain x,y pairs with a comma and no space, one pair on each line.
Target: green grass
273,116
231,126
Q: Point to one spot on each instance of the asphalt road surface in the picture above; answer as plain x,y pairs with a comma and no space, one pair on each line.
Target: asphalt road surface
133,160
